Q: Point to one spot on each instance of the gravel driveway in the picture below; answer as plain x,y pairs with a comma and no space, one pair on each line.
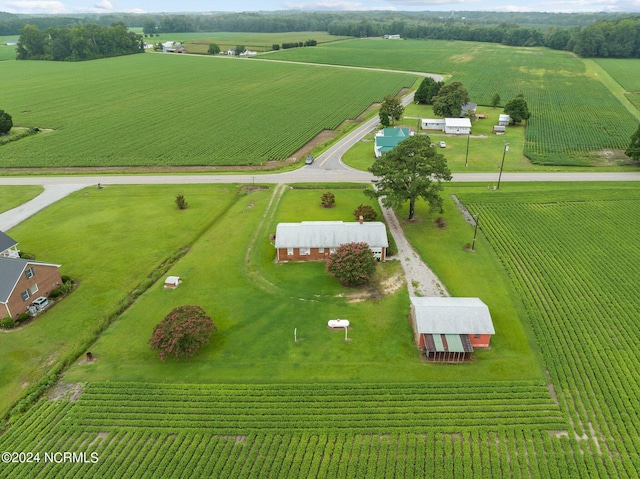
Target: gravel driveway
421,281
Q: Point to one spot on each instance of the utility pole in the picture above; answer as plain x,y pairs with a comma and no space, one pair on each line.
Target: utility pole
466,160
475,232
506,148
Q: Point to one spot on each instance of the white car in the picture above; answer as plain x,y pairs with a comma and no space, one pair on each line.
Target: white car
442,144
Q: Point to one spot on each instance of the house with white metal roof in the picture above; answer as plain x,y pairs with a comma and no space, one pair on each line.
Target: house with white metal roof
453,126
315,240
448,329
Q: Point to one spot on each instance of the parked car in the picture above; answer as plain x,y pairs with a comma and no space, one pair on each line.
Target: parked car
40,303
309,160
442,144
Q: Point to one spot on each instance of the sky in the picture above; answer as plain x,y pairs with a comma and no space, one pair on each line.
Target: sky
149,6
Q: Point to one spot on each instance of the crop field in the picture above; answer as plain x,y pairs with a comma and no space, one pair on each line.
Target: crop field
572,258
187,110
570,252
259,42
575,119
624,71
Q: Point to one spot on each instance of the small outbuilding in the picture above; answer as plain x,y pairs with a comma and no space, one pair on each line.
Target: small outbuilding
504,120
172,282
448,329
433,124
499,129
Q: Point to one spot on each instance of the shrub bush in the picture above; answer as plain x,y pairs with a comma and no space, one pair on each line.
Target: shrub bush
328,200
7,323
182,332
352,264
55,293
367,212
181,202
22,317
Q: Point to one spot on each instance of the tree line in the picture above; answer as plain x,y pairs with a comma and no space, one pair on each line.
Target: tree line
77,43
588,35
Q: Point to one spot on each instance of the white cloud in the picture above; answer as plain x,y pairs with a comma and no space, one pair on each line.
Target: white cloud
426,3
104,5
331,5
33,6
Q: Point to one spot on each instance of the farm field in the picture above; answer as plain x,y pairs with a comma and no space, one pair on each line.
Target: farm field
576,291
188,111
259,42
576,120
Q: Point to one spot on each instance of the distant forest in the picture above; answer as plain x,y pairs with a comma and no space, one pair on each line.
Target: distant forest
586,34
77,42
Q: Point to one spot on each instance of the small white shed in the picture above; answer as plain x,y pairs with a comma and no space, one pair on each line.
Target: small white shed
172,282
504,120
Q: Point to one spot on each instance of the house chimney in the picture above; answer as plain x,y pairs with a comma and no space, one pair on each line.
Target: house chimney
361,219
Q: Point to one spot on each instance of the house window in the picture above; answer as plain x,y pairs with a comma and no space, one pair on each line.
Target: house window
332,250
25,295
29,273
305,251
320,250
33,290
476,336
289,251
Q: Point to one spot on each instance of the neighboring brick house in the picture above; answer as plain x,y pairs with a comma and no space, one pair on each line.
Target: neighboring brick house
447,329
315,240
23,280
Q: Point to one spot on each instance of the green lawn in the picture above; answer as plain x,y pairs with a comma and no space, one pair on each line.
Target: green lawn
257,304
485,148
12,196
109,241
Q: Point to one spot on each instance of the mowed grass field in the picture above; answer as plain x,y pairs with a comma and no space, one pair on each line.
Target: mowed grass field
12,196
576,292
575,120
160,109
257,304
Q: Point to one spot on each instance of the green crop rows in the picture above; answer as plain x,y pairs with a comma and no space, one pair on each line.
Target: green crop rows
377,430
574,117
575,263
156,109
624,71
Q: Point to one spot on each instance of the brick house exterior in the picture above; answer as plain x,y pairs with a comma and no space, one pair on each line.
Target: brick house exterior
316,240
22,280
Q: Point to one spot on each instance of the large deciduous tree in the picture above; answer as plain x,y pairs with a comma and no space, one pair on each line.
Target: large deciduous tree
428,89
633,150
450,100
392,108
214,49
517,109
182,332
352,264
6,122
413,169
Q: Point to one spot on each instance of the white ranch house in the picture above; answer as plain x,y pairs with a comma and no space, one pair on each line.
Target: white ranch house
452,126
